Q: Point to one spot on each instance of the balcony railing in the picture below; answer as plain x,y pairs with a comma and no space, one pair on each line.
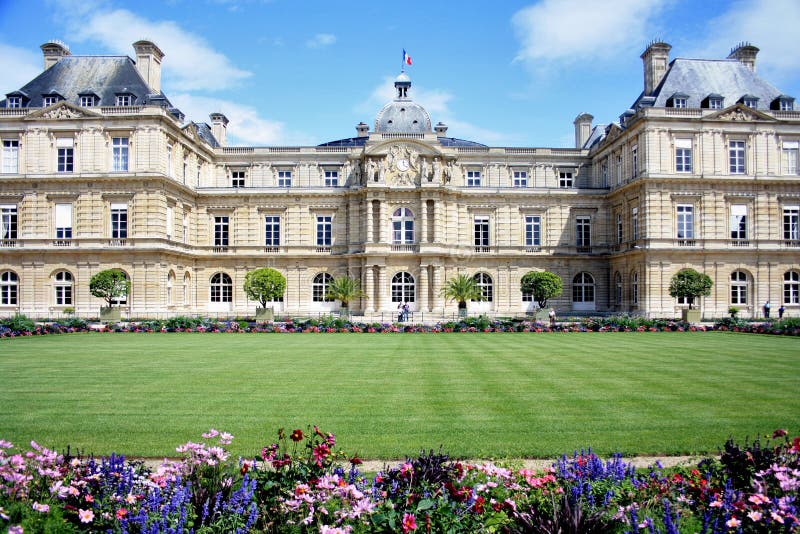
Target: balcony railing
117,242
270,249
685,243
533,249
404,248
8,243
480,249
583,250
740,243
220,249
322,250
62,242
790,243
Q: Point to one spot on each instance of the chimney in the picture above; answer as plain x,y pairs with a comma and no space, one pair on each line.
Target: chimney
53,51
148,63
440,129
745,53
219,127
362,129
655,60
583,129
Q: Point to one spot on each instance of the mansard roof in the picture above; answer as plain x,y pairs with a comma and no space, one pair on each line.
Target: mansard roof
697,78
104,76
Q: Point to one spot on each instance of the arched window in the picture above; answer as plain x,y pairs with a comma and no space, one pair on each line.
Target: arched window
738,287
617,288
484,282
583,288
635,287
319,287
402,227
221,288
403,288
63,288
8,288
170,283
791,287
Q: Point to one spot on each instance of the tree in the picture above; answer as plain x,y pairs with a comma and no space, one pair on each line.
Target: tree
264,285
690,284
345,289
542,285
109,285
461,289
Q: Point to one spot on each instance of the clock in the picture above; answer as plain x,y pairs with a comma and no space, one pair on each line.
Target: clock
403,165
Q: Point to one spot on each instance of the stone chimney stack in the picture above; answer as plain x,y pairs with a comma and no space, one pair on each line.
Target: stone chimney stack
219,127
745,53
655,60
583,129
362,129
53,51
148,63
440,129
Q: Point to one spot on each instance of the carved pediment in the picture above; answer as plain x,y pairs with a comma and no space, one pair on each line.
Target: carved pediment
62,110
740,113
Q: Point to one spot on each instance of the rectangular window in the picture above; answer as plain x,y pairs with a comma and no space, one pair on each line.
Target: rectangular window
564,179
169,160
715,103
49,101
120,153
751,103
63,221
619,228
635,224
65,161
680,103
10,156
634,161
119,221
87,101
683,155
272,230
170,221
520,178
221,231
736,157
785,104
185,227
685,220
15,101
604,175
790,157
8,221
124,100
481,231
583,232
331,178
284,178
533,230
324,230
791,214
185,167
619,168
237,179
473,178
738,221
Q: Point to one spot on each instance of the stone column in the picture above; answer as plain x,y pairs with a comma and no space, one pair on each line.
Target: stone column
380,293
369,288
370,224
438,300
437,221
422,289
382,222
423,231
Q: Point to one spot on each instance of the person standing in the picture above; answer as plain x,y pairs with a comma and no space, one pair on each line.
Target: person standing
780,312
766,310
552,316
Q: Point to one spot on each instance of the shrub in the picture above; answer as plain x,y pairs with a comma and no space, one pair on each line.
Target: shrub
109,285
19,323
690,284
264,285
542,285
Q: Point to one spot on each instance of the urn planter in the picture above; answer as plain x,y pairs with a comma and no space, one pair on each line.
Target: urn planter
110,314
265,315
690,316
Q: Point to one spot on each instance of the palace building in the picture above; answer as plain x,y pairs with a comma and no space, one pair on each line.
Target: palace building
99,170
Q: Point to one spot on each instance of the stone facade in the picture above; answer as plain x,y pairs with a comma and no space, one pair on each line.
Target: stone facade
85,188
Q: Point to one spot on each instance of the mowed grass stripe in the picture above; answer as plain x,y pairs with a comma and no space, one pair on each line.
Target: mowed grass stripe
387,396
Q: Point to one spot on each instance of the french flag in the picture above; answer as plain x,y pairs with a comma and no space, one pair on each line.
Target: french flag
406,58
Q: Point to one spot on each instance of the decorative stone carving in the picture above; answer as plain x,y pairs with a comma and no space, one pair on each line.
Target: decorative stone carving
62,112
736,114
437,171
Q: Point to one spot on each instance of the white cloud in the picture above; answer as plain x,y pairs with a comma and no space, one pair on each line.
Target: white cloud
771,25
190,63
437,103
569,30
246,127
19,66
321,40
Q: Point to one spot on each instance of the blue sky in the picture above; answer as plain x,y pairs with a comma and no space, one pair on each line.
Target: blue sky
507,73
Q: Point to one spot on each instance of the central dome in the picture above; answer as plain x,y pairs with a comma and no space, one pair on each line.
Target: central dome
402,115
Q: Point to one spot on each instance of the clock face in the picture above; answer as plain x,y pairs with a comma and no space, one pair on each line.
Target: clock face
403,165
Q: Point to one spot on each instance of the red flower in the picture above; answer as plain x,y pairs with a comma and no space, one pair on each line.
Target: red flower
355,460
779,433
297,435
409,523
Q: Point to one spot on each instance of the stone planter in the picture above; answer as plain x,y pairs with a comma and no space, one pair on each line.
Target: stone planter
265,315
462,312
690,316
110,315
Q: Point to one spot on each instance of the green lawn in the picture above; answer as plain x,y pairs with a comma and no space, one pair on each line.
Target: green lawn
389,395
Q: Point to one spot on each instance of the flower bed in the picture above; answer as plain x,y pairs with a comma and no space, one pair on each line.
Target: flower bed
21,326
300,484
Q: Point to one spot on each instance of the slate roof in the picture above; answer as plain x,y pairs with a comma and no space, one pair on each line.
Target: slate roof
698,78
104,76
204,131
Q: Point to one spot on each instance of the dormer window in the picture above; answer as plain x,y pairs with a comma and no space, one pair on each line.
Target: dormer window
750,101
124,99
713,101
678,100
88,101
783,103
14,102
49,100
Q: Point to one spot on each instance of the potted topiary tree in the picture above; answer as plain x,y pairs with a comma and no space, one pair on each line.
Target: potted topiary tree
690,284
110,285
264,285
345,289
461,289
543,286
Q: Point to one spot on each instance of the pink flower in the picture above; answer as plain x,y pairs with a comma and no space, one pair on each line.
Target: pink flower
86,516
43,508
733,522
16,529
409,522
754,515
